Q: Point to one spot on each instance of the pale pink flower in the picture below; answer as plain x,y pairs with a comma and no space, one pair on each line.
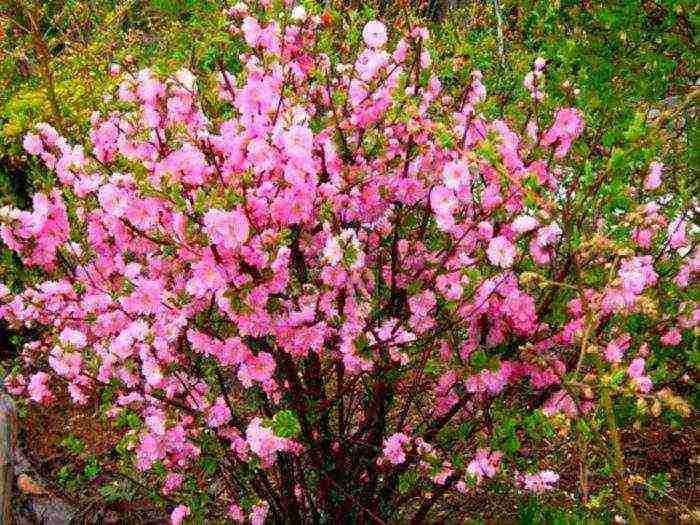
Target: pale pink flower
374,34
560,402
37,388
653,179
32,144
332,251
501,252
394,448
636,373
636,368
541,481
615,349
485,464
450,285
298,13
173,482
677,233
179,514
73,337
219,413
524,223
251,31
230,229
113,200
258,514
485,229
455,174
263,442
567,126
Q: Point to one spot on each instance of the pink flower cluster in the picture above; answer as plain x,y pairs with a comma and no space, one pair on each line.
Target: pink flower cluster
263,442
568,125
540,482
485,464
394,450
38,235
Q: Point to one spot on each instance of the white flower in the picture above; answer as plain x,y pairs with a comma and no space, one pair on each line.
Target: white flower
186,79
299,13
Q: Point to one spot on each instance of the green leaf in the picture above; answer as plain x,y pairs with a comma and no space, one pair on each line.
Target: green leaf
285,424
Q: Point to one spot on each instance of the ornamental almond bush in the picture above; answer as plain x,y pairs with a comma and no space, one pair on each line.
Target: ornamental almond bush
314,286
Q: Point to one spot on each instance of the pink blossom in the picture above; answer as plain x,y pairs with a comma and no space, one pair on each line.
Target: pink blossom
394,448
298,142
549,235
114,200
263,442
643,384
298,13
374,34
541,481
636,368
236,513
257,368
643,237
485,229
228,229
672,337
443,200
32,144
637,273
422,304
455,174
567,126
219,413
450,285
636,373
251,30
677,233
491,196
524,223
258,514
501,252
485,464
614,349
560,402
653,179
179,514
172,482
37,388
73,337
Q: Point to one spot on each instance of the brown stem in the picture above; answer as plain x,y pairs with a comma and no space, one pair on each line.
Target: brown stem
618,460
45,61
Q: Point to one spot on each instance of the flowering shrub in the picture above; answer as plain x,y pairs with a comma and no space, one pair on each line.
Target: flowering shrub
317,292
